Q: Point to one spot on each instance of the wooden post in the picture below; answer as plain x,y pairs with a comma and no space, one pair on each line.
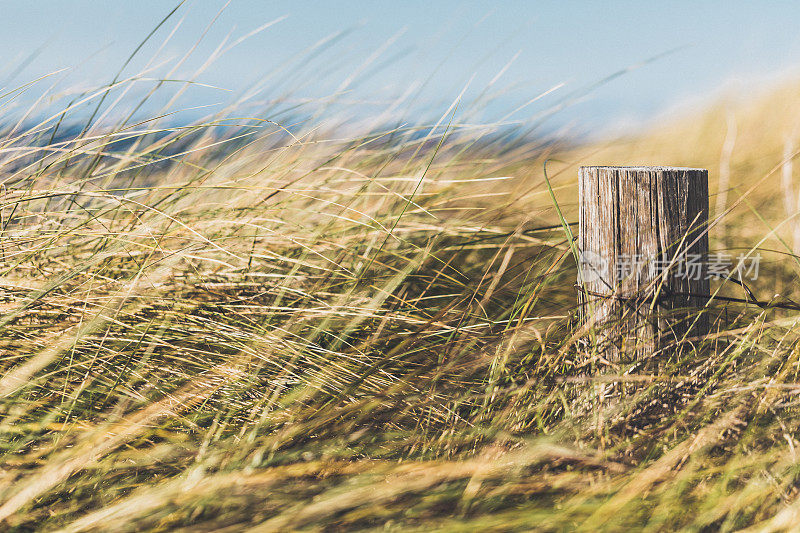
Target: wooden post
643,248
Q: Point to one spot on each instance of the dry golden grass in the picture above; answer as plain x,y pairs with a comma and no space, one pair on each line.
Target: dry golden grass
239,325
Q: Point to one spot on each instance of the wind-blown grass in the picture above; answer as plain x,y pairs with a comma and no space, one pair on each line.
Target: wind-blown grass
243,324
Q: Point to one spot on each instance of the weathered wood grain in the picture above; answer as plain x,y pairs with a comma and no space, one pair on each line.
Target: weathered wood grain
643,246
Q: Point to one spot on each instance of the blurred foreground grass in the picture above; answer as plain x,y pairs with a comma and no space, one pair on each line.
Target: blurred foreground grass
236,325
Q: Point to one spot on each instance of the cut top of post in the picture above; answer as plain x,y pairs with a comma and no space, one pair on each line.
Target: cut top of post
645,168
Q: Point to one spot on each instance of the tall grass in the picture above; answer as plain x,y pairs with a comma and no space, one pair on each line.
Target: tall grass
240,323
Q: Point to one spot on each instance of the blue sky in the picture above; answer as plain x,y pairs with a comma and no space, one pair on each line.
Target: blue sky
435,47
